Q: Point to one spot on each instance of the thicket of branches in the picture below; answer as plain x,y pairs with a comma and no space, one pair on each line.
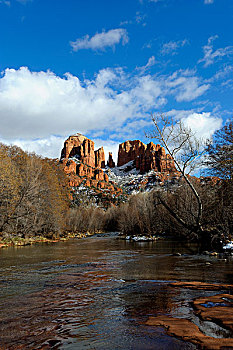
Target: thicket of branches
144,214
220,153
35,199
86,219
33,194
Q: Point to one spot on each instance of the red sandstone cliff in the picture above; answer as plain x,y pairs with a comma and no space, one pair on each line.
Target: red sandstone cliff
100,158
110,162
84,165
146,157
80,147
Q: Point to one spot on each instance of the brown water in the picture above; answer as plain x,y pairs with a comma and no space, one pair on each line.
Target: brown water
97,293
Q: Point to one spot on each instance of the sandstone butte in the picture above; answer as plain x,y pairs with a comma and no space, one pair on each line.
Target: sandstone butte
85,166
147,157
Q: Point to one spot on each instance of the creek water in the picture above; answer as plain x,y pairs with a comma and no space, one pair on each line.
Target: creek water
98,292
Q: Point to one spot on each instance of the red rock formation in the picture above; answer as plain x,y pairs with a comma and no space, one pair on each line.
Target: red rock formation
83,165
110,162
146,157
130,150
70,167
81,148
100,158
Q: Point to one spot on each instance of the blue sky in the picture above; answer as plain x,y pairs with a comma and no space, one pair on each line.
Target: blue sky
102,67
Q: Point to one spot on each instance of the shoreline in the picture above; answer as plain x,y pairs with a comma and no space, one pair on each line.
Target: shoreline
23,242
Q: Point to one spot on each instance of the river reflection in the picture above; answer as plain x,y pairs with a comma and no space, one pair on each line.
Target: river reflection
96,293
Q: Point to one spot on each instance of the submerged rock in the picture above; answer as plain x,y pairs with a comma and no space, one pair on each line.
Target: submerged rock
188,331
215,308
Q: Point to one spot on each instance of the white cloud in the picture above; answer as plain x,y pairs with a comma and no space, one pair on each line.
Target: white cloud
202,124
210,56
47,147
171,47
40,104
179,113
185,86
222,73
36,105
101,40
150,63
228,84
208,1
147,93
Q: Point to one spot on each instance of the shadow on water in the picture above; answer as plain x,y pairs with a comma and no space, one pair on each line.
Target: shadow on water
97,293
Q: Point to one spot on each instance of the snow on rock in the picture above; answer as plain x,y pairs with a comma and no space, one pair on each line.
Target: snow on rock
130,179
141,238
228,246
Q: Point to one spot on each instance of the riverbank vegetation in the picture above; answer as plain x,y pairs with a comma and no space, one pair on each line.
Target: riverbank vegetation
195,208
36,201
193,202
34,196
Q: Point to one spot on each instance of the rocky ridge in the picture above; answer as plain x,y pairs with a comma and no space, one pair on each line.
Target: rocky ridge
84,167
146,157
140,167
130,179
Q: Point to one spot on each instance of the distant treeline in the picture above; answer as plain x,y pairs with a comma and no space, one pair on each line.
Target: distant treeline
144,214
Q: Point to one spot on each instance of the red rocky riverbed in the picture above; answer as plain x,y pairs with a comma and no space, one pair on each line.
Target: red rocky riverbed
104,293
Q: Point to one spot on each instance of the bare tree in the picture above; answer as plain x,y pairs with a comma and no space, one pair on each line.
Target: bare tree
186,150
